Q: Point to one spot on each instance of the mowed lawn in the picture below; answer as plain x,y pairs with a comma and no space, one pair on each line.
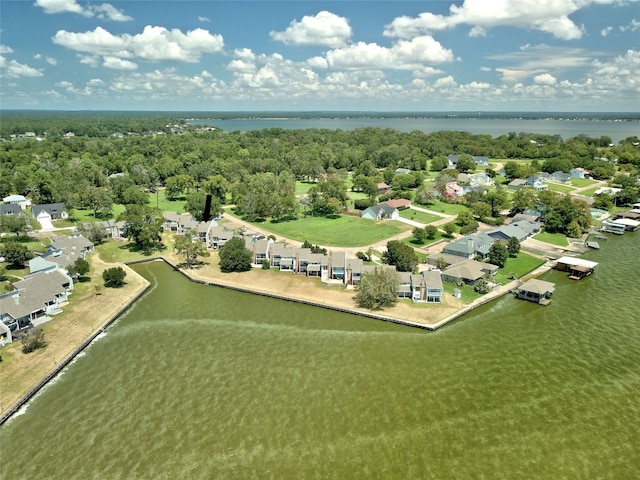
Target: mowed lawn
519,266
553,238
343,231
419,216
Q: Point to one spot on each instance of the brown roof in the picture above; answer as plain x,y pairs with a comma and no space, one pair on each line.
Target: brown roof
398,203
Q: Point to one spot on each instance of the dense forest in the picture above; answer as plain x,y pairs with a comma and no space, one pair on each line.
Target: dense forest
118,157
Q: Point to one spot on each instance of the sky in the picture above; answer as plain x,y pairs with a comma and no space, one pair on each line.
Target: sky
373,55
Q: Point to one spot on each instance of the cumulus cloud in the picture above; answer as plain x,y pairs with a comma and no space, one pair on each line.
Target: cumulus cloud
633,26
118,63
545,79
324,29
15,69
403,55
606,31
203,19
105,11
153,44
550,16
5,49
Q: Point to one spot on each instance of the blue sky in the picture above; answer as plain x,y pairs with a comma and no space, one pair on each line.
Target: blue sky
491,55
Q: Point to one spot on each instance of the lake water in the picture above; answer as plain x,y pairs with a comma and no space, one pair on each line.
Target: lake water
566,128
200,382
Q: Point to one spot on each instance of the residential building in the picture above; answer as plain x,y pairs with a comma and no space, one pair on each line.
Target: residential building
380,212
50,211
469,246
537,183
469,271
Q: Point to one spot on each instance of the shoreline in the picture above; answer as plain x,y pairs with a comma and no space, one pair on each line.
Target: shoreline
7,414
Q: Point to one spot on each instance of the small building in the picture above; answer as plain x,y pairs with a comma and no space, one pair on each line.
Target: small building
612,227
628,224
380,212
383,188
399,203
578,268
537,291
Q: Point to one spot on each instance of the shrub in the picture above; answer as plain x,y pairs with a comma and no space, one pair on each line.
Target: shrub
266,265
33,341
114,277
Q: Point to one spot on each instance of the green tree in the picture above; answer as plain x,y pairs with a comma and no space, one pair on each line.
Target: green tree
93,232
79,268
401,255
15,253
497,199
234,256
439,163
378,289
449,228
17,224
425,195
143,224
190,248
513,246
465,164
523,199
114,277
178,186
498,254
419,234
431,231
481,286
99,199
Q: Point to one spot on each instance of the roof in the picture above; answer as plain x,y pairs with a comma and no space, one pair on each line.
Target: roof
573,261
50,208
397,203
537,286
627,222
14,198
10,209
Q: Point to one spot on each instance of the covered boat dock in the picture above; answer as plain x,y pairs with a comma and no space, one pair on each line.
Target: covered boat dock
535,290
577,267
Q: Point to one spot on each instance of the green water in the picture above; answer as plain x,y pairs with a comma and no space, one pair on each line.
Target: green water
200,382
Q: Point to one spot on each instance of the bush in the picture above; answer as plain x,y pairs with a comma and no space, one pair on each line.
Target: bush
266,265
33,341
114,277
362,203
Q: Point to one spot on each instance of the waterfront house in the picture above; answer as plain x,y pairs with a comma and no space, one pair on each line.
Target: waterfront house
426,287
537,291
34,299
63,251
111,228
217,236
260,249
469,271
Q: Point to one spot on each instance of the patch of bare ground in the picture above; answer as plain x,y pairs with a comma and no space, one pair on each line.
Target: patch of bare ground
86,312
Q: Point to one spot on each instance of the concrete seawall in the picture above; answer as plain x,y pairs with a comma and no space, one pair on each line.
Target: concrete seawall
69,358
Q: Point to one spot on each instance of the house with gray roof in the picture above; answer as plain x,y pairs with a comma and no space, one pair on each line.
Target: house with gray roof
61,252
521,229
469,271
10,209
34,299
52,211
470,246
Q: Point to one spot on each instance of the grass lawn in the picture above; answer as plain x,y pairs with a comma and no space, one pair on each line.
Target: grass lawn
411,241
556,187
303,187
468,293
86,216
419,216
582,182
520,266
553,238
112,251
589,192
344,231
448,208
164,204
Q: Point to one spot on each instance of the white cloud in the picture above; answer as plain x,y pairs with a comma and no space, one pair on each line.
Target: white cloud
633,26
5,49
445,82
91,60
203,19
606,31
325,29
118,63
105,11
14,69
64,84
551,16
545,79
153,44
411,54
51,61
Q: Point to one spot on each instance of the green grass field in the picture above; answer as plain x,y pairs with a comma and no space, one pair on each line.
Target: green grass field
448,208
556,187
582,182
418,216
344,231
303,187
164,204
520,266
589,192
553,238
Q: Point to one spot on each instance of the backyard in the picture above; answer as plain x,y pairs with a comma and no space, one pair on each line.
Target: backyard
343,231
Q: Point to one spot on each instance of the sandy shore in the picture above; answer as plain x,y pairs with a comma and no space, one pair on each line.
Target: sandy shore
84,314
